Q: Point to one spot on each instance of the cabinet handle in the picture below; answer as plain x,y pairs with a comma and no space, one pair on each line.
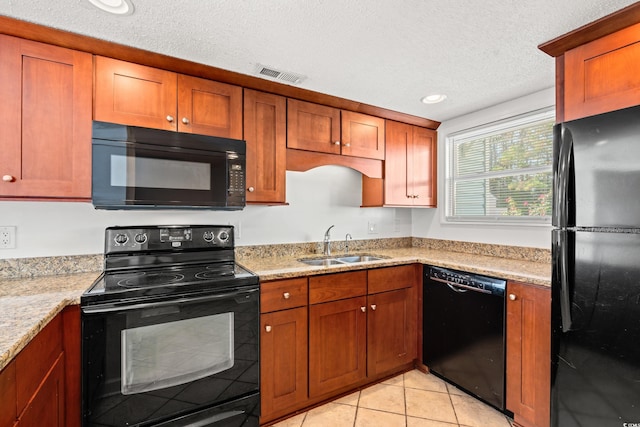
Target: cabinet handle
184,120
512,297
337,143
286,295
267,328
373,307
170,118
8,178
363,309
251,189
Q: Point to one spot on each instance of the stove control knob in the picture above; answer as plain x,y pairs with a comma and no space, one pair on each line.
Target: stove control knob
141,238
121,239
223,236
208,236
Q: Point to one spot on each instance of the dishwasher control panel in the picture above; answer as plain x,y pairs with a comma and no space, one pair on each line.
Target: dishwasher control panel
470,281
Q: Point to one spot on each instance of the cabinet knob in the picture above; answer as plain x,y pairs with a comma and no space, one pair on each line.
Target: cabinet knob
337,143
170,118
347,145
251,189
416,196
512,297
286,295
363,309
267,328
373,307
8,178
185,120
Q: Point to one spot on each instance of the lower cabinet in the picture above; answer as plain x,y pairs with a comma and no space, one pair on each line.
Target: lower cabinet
529,354
40,386
324,335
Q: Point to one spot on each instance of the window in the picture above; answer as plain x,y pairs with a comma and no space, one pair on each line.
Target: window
501,172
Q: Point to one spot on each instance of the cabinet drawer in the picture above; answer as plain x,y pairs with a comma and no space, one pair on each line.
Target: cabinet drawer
283,294
391,278
334,287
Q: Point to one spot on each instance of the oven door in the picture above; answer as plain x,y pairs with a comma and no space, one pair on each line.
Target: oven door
191,359
137,175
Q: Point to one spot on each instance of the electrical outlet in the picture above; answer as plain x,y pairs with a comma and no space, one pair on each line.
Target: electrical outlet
372,228
8,237
237,229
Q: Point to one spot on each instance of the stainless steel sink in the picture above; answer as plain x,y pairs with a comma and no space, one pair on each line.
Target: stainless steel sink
349,259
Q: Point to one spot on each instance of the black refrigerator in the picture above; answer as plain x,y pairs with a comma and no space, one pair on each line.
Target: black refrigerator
595,346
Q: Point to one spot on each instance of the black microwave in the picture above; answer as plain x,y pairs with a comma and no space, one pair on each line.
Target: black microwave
140,168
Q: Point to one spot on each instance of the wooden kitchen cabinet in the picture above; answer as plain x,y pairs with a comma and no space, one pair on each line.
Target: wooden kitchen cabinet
392,319
599,76
45,121
528,370
337,345
265,132
324,129
41,385
138,95
283,347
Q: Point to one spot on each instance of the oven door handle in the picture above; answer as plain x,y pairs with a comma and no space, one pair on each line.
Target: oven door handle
108,308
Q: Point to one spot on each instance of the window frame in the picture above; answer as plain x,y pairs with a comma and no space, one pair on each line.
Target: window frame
487,129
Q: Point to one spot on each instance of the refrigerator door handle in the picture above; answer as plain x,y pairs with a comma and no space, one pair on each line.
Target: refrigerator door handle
563,148
565,294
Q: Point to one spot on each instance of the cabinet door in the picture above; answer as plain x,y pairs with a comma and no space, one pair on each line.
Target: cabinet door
8,404
599,76
45,120
529,354
209,108
362,135
265,131
421,167
399,137
337,345
283,360
133,94
392,339
313,127
46,408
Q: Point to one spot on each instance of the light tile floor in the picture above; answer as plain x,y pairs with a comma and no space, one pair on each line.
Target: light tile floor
413,399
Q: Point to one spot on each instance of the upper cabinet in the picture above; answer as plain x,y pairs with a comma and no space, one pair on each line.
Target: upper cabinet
600,77
410,169
45,121
595,65
143,96
265,131
323,129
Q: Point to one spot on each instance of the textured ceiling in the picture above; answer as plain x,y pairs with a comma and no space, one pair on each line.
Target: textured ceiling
387,53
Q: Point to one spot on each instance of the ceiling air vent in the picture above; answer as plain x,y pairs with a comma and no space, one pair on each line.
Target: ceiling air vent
283,76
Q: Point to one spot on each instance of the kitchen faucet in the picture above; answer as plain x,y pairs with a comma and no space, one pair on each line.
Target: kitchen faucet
346,243
327,241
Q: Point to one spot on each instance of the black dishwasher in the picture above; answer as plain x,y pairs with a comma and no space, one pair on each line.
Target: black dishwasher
463,335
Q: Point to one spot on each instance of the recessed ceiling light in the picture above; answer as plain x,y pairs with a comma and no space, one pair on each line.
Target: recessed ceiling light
117,7
434,99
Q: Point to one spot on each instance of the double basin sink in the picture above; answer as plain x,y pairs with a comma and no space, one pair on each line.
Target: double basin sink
341,260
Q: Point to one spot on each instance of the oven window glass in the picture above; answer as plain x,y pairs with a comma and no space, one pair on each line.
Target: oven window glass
173,353
159,173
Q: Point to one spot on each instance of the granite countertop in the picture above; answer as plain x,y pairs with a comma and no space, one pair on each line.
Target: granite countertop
28,304
282,267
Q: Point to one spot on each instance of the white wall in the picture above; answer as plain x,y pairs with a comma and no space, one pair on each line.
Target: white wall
430,222
317,199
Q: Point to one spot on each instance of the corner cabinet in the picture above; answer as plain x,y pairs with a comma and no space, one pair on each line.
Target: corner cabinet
410,169
138,95
45,121
265,131
528,370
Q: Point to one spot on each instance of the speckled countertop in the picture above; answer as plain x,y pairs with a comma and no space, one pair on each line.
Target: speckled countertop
281,267
27,304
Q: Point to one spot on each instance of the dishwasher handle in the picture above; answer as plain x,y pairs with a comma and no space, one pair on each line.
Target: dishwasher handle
457,287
